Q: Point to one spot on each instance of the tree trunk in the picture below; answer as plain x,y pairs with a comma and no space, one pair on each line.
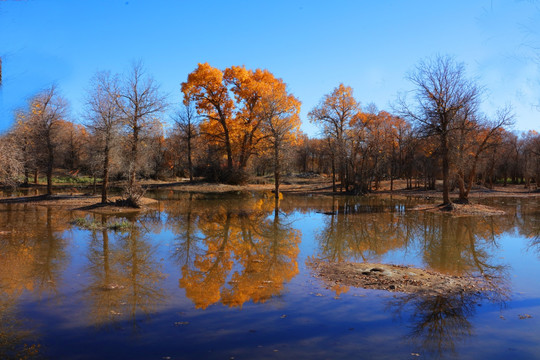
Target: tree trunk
333,174
50,162
470,181
105,183
25,160
341,173
490,174
26,175
134,155
463,193
190,163
49,180
276,171
445,168
227,142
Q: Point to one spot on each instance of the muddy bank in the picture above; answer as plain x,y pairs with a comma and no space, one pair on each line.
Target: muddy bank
396,278
322,185
78,202
296,185
306,184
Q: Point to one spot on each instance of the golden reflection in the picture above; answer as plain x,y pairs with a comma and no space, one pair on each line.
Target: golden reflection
32,249
458,245
245,249
362,232
234,252
454,245
461,245
32,259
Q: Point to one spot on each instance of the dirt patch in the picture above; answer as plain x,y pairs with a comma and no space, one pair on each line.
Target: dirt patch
290,184
461,209
395,278
477,192
309,183
77,202
322,184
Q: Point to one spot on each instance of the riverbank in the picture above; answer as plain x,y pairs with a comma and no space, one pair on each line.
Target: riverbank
296,184
321,184
83,198
76,201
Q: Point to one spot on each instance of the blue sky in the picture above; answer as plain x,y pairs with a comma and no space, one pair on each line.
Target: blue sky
312,45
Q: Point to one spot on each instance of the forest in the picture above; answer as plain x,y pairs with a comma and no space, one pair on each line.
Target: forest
238,124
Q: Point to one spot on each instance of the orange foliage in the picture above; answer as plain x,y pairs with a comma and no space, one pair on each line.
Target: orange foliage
234,104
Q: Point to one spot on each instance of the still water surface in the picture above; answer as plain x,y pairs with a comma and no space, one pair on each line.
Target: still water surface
227,276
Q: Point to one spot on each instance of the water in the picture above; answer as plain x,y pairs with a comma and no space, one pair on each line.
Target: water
227,276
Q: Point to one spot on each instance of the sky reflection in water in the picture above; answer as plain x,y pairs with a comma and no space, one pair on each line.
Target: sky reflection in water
220,276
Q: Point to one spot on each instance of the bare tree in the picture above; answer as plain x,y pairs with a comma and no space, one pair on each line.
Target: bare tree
104,120
443,95
140,102
186,121
48,110
473,138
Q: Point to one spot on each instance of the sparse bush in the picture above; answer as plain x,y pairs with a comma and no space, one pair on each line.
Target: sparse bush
90,224
132,196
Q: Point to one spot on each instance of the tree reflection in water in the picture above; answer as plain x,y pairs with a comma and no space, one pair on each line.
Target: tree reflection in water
183,221
363,232
529,224
437,323
234,252
125,276
245,249
455,245
34,252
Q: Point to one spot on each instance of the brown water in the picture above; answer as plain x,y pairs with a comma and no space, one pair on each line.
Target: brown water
226,276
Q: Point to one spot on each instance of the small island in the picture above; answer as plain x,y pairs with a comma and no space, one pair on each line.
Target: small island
397,278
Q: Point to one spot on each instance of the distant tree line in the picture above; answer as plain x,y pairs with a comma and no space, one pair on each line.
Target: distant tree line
238,123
